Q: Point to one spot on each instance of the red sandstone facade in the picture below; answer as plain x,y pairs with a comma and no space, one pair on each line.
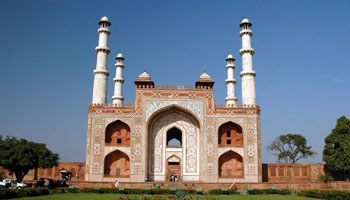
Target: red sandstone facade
216,143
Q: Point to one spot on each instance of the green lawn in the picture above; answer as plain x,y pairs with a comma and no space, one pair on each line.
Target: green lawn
89,196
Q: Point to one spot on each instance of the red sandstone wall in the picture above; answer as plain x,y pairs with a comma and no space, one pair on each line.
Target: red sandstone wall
280,174
277,173
76,168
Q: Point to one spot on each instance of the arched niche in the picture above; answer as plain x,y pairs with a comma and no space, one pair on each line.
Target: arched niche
231,165
117,134
174,137
117,164
81,173
230,135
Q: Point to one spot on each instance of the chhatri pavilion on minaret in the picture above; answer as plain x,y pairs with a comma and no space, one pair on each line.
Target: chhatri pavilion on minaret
173,133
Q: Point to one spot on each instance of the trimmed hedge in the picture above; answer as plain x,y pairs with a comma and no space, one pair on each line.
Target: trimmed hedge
325,194
24,192
114,190
218,192
269,191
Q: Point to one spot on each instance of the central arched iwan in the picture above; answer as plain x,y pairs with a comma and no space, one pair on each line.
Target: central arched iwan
183,126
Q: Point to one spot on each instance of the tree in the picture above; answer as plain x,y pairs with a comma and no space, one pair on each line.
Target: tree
20,156
336,152
290,148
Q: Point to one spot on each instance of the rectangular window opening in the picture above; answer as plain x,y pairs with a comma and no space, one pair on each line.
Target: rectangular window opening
173,163
228,141
119,141
228,134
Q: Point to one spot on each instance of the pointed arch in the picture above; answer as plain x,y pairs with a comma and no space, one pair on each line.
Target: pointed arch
174,137
160,123
117,134
173,107
230,135
231,165
117,164
174,158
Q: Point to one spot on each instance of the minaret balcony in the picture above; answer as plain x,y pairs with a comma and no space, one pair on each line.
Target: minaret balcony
230,66
243,73
250,50
104,30
118,80
248,32
231,81
102,49
101,71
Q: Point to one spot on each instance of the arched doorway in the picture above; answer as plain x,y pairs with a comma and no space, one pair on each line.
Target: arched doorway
230,165
230,135
117,164
173,169
117,134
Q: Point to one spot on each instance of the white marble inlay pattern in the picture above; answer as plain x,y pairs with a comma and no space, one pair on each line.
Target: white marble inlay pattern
195,106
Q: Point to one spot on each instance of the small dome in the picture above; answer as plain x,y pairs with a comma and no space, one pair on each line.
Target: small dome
229,56
204,77
144,76
105,18
245,20
120,56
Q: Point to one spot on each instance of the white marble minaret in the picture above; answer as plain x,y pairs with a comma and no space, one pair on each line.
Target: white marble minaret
247,74
118,80
101,73
231,98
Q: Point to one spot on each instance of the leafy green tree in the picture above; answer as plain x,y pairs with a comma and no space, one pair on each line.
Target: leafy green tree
20,156
290,148
336,152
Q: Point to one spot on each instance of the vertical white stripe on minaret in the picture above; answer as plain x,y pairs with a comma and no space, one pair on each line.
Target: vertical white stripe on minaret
99,94
118,80
247,74
230,81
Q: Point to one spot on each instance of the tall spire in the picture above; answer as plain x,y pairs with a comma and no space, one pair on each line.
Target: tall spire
101,73
247,74
231,98
118,80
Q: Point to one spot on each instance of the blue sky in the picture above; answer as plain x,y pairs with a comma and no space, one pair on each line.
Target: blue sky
47,59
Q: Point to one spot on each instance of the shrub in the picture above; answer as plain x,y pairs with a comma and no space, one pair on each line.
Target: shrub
284,192
325,194
326,178
85,190
7,193
108,190
218,191
24,192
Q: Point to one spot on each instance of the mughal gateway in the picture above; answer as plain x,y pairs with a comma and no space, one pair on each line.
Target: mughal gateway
173,132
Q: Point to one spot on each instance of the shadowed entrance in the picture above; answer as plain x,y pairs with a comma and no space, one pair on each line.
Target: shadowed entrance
173,169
